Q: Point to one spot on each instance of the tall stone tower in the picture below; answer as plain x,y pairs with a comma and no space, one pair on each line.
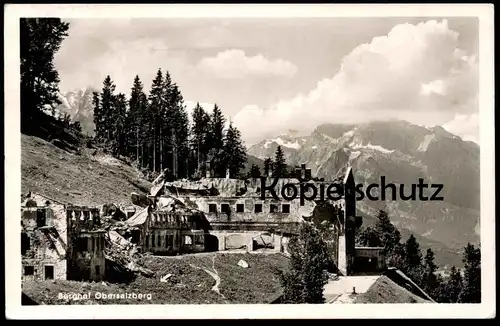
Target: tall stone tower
347,231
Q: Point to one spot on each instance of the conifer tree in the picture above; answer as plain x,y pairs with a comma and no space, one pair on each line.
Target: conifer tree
368,237
234,151
179,130
268,166
40,39
200,130
254,171
216,141
306,277
98,116
107,109
155,116
413,253
137,107
430,279
453,286
471,290
119,127
387,233
279,164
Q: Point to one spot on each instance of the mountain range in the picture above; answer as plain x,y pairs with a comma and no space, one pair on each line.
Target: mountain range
402,153
78,104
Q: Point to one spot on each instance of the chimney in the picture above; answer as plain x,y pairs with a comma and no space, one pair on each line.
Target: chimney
303,171
270,173
207,172
227,173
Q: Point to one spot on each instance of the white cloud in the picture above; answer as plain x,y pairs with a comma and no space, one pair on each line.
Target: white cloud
236,64
416,73
465,125
208,107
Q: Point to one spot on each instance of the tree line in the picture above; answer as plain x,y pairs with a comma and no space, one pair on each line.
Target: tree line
306,277
459,286
154,130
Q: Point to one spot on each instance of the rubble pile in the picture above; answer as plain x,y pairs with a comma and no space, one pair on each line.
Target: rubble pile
123,256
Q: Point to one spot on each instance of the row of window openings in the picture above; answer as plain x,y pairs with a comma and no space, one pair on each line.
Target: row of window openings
169,240
82,243
240,208
49,271
97,244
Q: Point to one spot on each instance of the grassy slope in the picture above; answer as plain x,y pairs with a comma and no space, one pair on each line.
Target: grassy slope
385,290
76,176
188,284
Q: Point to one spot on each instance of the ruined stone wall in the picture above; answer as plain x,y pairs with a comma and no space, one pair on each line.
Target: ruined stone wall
43,240
249,214
86,244
88,263
167,233
249,240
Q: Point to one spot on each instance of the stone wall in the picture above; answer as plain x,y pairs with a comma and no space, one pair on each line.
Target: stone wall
86,244
43,239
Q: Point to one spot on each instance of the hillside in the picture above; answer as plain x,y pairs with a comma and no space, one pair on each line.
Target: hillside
82,176
384,290
402,153
189,282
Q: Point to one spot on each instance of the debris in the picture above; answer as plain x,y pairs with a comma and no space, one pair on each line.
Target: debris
140,200
104,283
165,278
243,263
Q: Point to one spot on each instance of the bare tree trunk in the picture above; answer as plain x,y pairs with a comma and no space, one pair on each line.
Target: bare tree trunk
154,149
161,151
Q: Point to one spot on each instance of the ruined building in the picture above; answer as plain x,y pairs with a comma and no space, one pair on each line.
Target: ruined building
60,241
239,217
169,228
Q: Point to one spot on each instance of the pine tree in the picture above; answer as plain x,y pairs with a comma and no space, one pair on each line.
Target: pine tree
179,129
137,108
368,237
413,260
234,151
119,128
254,171
387,232
471,290
216,141
279,164
413,253
268,166
306,277
155,118
107,110
453,285
98,116
430,279
40,39
200,131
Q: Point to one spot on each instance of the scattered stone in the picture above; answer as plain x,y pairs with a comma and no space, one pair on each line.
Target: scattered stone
165,278
243,263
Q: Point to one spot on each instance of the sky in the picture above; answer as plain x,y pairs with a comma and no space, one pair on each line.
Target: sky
272,75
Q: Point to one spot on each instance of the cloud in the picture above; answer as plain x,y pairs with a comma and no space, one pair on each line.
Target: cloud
416,73
466,126
208,107
87,57
236,64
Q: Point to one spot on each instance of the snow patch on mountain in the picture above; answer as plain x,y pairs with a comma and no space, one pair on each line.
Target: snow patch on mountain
425,143
354,155
358,145
283,143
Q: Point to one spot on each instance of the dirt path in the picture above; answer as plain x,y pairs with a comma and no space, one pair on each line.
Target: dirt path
214,274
